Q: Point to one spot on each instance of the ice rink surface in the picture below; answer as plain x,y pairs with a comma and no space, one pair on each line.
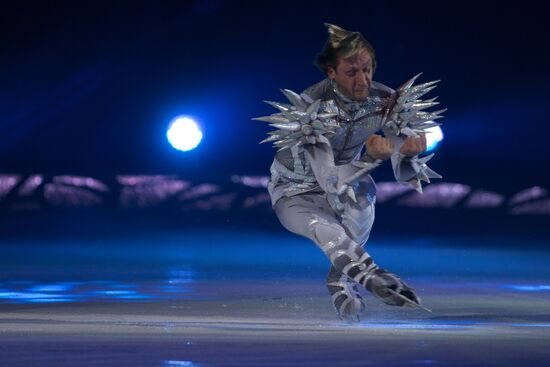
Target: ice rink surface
258,299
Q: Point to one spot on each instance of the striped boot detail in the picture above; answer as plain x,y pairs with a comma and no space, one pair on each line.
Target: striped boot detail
345,296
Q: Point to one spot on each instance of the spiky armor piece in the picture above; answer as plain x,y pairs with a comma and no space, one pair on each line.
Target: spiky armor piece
300,123
406,115
305,121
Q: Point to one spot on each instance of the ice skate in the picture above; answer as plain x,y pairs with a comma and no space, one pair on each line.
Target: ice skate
346,299
390,289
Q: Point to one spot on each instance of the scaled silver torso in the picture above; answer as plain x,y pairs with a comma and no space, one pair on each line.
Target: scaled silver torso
291,172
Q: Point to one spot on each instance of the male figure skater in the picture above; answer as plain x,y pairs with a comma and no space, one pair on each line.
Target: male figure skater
320,185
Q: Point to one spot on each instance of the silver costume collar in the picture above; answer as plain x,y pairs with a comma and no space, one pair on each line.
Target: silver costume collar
351,106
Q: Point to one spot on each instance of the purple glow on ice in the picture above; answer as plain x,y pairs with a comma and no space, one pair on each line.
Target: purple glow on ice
7,182
251,181
386,191
218,202
133,180
256,200
68,196
30,185
484,199
442,195
198,191
81,181
535,192
145,191
424,361
181,364
540,207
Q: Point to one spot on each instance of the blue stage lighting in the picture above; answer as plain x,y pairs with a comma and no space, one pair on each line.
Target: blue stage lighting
184,134
433,137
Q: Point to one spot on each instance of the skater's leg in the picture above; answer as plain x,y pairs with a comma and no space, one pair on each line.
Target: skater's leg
300,214
357,219
311,216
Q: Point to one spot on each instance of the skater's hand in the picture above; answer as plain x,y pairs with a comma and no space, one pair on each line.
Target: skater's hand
413,146
379,147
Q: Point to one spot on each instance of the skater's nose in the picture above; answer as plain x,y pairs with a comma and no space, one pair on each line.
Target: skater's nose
362,80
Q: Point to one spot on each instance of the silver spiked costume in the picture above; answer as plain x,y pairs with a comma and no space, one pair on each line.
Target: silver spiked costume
320,185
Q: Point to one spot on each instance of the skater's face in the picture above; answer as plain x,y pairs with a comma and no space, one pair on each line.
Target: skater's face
353,75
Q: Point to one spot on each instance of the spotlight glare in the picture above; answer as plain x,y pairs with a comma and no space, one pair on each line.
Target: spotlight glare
184,134
433,136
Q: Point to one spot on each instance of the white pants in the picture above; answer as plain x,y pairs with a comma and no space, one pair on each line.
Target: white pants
341,236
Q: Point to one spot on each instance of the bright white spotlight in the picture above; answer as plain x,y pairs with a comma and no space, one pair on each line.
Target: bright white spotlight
433,136
184,134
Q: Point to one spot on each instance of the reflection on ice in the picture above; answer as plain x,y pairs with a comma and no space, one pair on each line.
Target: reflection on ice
531,325
529,287
440,325
51,288
114,293
134,296
50,300
415,325
181,363
26,295
176,285
181,275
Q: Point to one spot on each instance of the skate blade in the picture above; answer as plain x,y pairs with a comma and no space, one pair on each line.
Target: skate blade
410,301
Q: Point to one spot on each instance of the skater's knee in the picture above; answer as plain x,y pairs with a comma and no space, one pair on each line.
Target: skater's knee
325,232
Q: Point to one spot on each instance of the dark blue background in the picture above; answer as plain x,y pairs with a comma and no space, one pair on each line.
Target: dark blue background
89,87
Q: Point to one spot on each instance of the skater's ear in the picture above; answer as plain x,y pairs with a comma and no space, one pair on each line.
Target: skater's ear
331,73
